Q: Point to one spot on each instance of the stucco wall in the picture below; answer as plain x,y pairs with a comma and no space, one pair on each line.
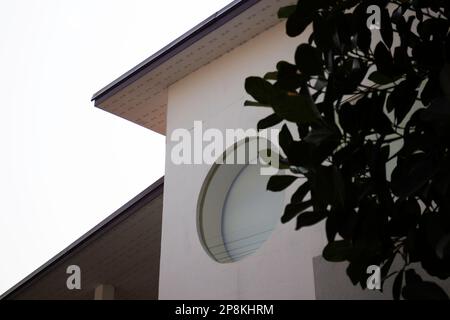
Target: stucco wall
283,267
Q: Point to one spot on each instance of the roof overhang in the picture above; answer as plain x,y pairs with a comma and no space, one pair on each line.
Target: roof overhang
89,250
140,95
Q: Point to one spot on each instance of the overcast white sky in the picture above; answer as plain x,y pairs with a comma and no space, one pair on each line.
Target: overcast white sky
65,165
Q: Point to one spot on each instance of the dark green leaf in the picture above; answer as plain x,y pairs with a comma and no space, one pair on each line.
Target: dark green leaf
397,286
279,183
323,33
380,78
288,77
327,187
301,193
285,12
338,183
411,277
295,108
383,59
386,28
260,89
435,29
404,217
424,291
412,175
302,156
331,227
308,60
273,75
439,109
310,218
293,209
338,251
402,99
430,91
387,266
443,247
444,79
321,134
269,121
349,75
364,39
349,118
297,22
285,138
357,270
402,61
378,120
428,54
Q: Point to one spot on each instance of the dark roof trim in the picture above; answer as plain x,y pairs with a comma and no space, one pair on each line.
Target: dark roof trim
119,215
201,30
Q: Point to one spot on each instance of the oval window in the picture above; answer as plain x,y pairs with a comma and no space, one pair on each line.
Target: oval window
236,214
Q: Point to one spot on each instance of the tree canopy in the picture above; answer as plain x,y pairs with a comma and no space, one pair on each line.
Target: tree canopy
371,107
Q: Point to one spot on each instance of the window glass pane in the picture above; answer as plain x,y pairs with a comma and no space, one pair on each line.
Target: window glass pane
250,212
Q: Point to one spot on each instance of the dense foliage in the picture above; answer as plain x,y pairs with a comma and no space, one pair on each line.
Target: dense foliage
372,114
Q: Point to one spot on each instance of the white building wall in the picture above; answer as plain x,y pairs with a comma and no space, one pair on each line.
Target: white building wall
283,267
